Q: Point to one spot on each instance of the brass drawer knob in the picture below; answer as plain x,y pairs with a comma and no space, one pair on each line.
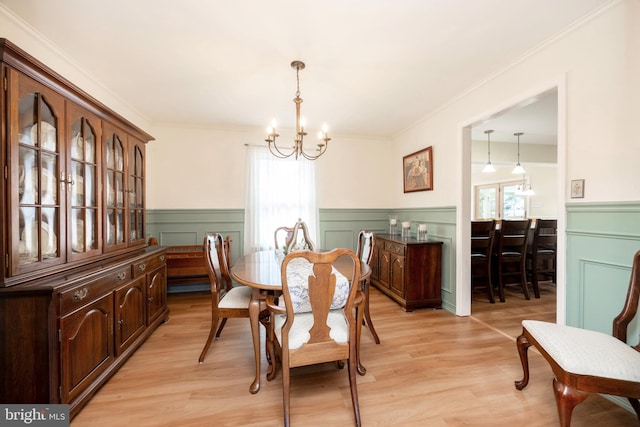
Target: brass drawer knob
142,267
80,294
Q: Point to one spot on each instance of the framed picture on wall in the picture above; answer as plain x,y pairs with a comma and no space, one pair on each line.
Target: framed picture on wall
417,171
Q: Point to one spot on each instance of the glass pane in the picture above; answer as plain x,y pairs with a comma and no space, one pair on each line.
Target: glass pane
110,153
111,189
139,193
48,128
27,114
89,183
91,232
487,203
132,194
28,175
77,186
111,227
28,244
49,233
89,143
138,157
132,225
77,231
140,227
513,204
119,190
49,181
120,226
119,157
77,141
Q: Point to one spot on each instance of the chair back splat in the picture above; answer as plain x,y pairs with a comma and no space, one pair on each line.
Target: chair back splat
365,252
317,323
585,361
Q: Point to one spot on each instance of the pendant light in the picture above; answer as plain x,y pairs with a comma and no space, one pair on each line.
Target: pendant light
489,167
518,169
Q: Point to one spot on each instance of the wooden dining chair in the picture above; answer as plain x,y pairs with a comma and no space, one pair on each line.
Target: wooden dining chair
282,236
227,301
300,239
316,324
585,361
482,237
365,252
541,256
512,255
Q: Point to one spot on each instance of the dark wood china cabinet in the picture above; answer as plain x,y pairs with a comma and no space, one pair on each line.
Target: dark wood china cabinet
80,290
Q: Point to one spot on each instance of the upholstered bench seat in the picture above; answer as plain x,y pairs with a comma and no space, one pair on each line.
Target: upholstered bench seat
586,352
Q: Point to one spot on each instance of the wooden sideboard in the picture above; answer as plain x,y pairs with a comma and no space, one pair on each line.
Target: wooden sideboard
185,265
408,271
63,336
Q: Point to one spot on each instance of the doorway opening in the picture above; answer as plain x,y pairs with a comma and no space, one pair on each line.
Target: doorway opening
508,121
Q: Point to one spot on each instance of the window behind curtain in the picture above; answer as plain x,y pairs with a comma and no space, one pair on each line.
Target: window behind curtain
278,192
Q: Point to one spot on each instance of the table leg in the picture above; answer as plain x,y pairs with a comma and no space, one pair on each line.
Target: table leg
254,319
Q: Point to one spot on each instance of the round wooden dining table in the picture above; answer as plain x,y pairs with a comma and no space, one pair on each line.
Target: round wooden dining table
261,271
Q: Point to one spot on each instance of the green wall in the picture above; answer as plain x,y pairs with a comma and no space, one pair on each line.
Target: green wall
601,241
338,228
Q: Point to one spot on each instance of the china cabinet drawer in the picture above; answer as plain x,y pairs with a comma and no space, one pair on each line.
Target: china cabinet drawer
148,264
78,296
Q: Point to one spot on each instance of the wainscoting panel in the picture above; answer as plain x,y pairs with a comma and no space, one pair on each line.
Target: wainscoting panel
602,239
338,228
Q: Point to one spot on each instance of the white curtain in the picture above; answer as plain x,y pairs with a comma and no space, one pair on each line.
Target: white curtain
278,192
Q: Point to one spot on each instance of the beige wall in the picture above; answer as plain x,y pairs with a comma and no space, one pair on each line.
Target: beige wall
198,168
601,61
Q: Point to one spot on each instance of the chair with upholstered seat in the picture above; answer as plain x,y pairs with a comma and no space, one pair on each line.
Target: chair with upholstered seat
512,254
365,252
482,236
316,324
585,361
227,301
282,237
541,257
300,239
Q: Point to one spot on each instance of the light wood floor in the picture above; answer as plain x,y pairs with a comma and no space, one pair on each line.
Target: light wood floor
431,369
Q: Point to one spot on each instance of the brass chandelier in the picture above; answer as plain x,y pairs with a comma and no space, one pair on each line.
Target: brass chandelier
297,149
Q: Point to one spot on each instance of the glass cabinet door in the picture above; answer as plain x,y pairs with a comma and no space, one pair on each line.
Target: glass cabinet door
82,183
136,192
115,190
36,202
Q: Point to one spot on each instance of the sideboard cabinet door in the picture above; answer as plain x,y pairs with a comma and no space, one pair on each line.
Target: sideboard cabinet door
86,345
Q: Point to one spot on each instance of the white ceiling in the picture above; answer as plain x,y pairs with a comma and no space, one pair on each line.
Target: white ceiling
374,67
